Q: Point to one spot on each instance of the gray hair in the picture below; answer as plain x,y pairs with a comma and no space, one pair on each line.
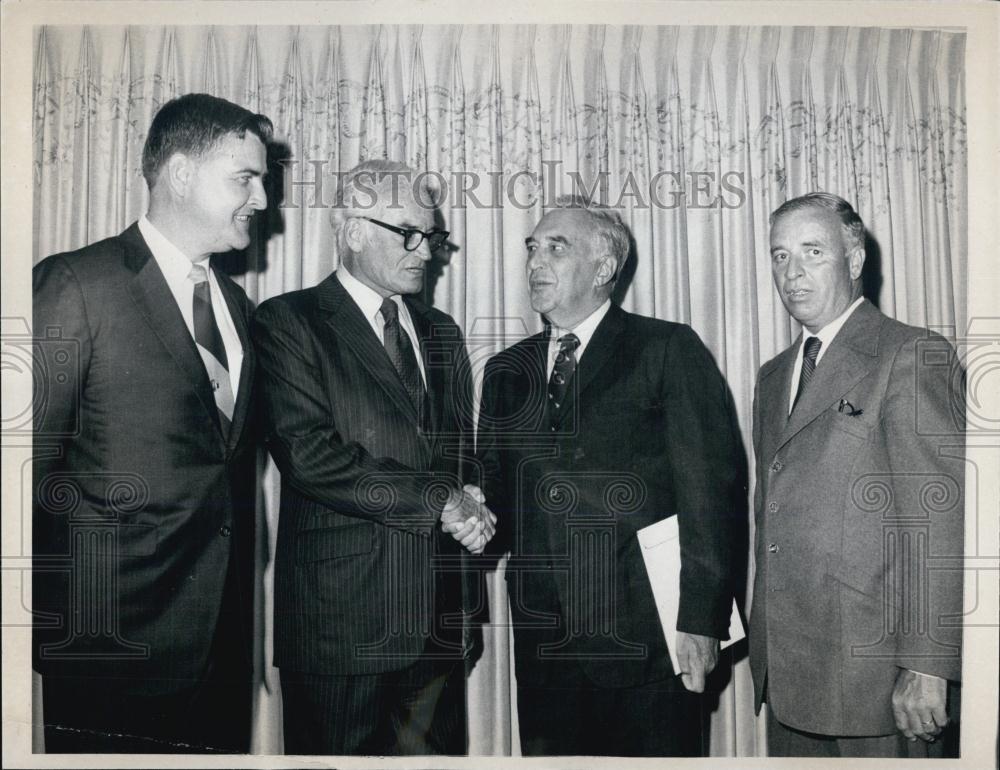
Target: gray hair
370,188
854,228
607,224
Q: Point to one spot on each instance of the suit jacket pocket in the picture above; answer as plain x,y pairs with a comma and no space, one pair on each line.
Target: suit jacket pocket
115,540
630,406
855,425
314,545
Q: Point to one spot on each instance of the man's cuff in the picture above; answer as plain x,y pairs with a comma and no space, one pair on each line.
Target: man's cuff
928,676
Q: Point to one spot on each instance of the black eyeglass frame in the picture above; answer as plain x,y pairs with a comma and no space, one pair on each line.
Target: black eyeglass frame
435,238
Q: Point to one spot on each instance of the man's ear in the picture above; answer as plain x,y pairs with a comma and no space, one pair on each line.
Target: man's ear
856,261
606,271
177,175
354,234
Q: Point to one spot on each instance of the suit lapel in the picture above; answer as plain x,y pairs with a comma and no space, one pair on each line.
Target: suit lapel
437,382
246,370
775,384
850,358
346,320
599,349
529,380
152,297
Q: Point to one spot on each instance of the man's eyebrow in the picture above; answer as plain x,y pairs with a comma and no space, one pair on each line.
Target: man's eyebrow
551,238
806,244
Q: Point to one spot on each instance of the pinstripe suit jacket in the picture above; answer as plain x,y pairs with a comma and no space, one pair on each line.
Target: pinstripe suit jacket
859,506
365,582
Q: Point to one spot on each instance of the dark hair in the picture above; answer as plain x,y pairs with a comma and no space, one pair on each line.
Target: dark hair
193,124
853,226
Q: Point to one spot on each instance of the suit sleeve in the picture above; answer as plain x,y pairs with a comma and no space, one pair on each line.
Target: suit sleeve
708,472
489,459
309,451
61,357
923,426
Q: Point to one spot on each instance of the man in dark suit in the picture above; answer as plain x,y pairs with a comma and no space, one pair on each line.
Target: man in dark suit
144,461
603,424
858,433
366,403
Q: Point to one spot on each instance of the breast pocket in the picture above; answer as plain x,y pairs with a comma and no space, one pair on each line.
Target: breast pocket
317,545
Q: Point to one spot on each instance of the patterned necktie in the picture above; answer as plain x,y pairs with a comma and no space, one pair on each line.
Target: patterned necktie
211,347
562,373
813,344
400,349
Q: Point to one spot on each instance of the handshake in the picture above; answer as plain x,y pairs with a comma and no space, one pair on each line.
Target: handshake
467,519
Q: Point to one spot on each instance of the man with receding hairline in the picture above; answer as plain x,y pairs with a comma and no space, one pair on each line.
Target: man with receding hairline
853,637
365,396
601,425
143,590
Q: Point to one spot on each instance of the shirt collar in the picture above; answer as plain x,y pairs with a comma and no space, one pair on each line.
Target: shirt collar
366,298
828,332
175,265
586,328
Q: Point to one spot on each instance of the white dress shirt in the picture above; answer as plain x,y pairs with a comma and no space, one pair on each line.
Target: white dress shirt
176,269
826,335
370,302
583,330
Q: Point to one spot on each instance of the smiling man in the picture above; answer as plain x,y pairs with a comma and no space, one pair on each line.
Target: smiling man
855,627
144,471
603,424
368,413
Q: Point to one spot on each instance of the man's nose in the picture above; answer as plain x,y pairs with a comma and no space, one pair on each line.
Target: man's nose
793,268
424,251
258,198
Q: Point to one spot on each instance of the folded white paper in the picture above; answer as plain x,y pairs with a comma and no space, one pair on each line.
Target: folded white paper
661,550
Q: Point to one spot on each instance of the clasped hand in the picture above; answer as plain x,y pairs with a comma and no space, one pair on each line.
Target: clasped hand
467,519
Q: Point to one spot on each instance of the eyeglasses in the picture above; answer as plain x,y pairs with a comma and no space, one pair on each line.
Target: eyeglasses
413,238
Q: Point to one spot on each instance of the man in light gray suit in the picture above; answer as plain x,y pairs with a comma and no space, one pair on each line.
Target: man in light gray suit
855,628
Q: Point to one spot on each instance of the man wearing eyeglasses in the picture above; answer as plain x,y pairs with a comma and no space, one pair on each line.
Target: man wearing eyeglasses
366,401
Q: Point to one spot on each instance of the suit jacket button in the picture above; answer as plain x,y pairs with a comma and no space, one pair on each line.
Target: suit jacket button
578,454
225,531
772,547
772,507
776,466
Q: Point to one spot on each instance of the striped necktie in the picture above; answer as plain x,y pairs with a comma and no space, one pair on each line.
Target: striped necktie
211,347
813,344
562,373
404,358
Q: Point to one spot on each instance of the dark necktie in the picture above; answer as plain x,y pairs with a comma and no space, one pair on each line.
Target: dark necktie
562,373
400,349
813,344
210,346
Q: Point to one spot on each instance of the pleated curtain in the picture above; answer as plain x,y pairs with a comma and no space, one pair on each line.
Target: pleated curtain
696,133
